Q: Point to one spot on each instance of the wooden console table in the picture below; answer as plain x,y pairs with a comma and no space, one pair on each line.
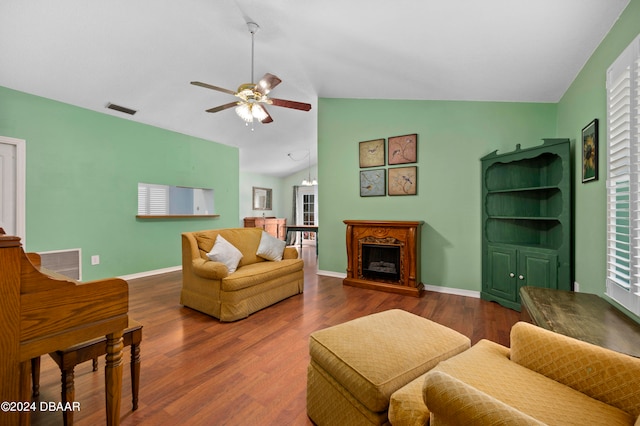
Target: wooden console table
582,316
272,225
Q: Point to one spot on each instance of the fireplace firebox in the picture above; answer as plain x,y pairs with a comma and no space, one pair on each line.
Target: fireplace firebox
381,262
384,255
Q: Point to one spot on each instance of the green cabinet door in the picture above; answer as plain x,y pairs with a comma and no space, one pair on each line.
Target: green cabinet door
537,269
501,280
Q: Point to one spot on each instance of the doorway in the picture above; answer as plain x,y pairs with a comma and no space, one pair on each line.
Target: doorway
12,186
307,212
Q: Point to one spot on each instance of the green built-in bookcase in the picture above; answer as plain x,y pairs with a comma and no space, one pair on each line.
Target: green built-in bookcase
526,221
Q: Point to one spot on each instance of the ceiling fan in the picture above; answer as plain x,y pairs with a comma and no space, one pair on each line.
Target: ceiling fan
253,96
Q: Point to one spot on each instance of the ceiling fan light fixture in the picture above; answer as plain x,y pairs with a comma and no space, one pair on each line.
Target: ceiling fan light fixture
258,112
249,110
244,112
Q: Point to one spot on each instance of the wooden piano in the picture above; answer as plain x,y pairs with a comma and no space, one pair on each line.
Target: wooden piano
41,312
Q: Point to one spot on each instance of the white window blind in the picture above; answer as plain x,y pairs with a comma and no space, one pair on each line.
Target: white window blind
623,178
153,199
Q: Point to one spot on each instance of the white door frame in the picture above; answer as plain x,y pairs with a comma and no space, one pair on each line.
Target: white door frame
21,173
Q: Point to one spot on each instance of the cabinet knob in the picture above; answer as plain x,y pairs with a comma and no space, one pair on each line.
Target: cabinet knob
521,277
512,275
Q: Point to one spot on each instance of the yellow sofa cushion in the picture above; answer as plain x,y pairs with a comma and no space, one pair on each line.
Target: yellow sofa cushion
254,274
603,374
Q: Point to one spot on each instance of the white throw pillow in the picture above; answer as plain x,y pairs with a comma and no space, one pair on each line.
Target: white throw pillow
270,247
225,252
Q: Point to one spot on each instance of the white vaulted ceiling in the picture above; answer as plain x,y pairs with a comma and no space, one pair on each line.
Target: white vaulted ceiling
142,54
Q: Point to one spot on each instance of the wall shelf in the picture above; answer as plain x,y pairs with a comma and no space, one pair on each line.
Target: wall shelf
526,221
177,216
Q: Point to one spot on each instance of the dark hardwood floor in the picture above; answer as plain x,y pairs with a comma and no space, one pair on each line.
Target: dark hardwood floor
199,371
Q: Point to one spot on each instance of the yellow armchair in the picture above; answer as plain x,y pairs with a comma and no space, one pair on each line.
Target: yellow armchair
545,378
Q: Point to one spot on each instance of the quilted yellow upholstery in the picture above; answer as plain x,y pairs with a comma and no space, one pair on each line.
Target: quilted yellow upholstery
330,404
367,359
605,375
208,287
490,384
406,406
456,403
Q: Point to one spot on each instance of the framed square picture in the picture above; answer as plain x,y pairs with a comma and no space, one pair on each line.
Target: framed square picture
590,152
372,153
373,183
403,181
402,149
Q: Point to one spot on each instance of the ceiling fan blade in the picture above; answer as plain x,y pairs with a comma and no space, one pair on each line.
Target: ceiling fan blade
267,83
268,118
223,107
209,86
289,104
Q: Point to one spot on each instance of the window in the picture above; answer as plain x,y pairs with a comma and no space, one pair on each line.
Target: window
623,178
165,200
153,199
308,209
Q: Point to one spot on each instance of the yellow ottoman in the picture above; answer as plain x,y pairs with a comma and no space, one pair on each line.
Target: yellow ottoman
356,366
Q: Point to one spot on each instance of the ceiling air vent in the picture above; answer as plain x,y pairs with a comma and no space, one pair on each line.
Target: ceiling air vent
121,108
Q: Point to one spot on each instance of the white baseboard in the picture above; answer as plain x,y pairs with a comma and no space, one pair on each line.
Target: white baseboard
447,290
151,273
332,274
456,291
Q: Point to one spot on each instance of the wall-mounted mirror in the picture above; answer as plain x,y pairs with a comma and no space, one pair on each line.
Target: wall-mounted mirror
261,198
177,201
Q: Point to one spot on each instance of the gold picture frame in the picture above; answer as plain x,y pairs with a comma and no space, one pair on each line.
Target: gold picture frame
590,152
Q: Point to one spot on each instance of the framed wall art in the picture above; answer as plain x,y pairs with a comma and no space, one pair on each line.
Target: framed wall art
373,183
590,152
403,180
402,149
372,153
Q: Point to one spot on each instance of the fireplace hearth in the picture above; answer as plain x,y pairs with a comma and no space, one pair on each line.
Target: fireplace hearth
384,255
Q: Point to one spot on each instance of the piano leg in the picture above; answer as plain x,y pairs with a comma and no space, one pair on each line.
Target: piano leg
24,417
113,377
35,376
135,375
68,395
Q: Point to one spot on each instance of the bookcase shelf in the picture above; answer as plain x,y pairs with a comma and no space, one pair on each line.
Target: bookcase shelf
526,221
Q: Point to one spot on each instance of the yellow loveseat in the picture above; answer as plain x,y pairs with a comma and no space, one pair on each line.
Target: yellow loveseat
545,378
208,287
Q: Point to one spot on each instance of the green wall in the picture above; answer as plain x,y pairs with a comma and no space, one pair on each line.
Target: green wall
83,168
584,101
452,136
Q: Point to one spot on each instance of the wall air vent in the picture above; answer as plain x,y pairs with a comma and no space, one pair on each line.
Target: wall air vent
65,262
121,108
